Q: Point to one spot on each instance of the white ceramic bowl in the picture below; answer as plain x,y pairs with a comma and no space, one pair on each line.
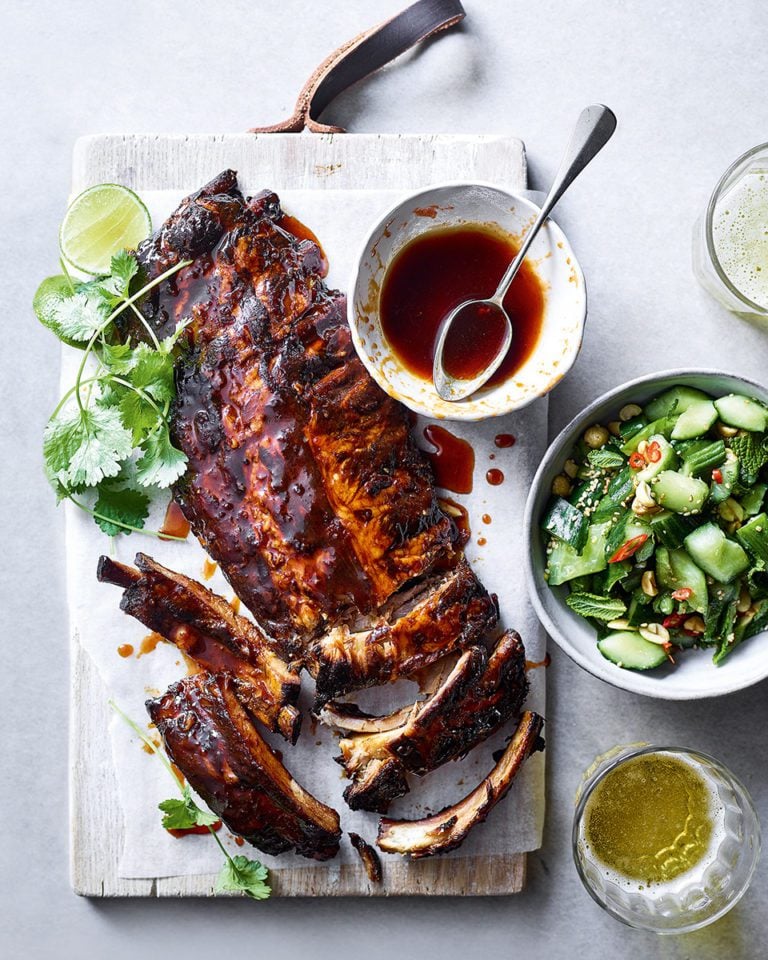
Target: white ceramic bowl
694,676
565,306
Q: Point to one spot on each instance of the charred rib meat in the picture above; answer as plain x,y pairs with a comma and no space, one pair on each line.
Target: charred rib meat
206,628
303,481
479,695
209,736
448,829
450,613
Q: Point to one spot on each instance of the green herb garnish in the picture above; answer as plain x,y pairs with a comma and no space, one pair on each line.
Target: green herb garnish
107,443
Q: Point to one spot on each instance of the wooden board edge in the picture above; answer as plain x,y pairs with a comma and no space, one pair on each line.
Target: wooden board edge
296,161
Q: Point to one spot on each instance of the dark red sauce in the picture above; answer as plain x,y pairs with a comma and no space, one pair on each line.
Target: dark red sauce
125,649
188,831
481,541
486,518
504,440
475,338
436,272
494,477
453,460
149,643
175,523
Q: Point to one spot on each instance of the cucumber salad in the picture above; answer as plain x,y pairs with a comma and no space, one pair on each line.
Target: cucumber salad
658,526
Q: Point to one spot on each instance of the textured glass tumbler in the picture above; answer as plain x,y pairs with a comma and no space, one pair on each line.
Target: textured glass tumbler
734,283
700,895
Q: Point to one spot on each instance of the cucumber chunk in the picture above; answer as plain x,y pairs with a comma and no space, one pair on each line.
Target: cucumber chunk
676,570
718,556
702,456
667,461
695,421
663,426
670,529
743,412
679,493
754,536
752,500
720,492
628,649
567,523
677,400
565,563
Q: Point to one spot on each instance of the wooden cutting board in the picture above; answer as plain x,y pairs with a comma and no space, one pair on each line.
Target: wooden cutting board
292,161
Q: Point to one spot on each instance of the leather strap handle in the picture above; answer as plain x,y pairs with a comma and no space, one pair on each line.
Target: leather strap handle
361,56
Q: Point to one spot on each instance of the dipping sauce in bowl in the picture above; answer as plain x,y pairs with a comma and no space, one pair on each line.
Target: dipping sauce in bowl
432,251
436,272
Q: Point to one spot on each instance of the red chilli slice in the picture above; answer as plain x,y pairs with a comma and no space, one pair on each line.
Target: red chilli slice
673,621
653,452
626,550
637,461
717,476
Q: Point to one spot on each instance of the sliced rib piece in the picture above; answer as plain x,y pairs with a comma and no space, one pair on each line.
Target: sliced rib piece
368,856
210,738
479,695
448,829
454,612
304,483
206,628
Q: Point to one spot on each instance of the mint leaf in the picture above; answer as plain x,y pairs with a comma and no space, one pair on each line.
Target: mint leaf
592,605
185,813
161,464
124,504
605,459
80,316
82,447
249,876
752,451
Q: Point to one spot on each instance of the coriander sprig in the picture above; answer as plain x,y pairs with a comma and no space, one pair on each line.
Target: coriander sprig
109,437
239,873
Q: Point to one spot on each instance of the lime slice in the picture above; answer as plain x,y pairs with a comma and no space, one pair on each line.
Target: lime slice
101,222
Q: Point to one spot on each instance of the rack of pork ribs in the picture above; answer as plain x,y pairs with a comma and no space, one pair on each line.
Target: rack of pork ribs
305,486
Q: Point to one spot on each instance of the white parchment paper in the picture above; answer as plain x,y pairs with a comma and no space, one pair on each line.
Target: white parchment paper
340,219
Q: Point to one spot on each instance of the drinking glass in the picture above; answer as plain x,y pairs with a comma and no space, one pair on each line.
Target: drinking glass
730,240
703,893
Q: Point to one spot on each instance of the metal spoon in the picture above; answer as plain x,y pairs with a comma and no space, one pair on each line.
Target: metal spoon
593,130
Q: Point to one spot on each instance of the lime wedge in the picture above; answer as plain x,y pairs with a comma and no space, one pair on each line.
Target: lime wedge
101,222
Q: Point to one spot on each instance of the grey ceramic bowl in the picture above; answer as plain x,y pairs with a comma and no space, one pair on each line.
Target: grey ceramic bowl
694,675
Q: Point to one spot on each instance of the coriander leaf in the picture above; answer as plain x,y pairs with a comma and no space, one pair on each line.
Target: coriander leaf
185,813
123,269
139,416
125,504
592,605
153,371
605,459
84,446
80,316
161,463
118,357
249,876
48,297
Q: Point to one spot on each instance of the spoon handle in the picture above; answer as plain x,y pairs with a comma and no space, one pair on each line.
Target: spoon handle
593,130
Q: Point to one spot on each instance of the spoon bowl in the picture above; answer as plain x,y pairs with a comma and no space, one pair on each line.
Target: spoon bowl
453,379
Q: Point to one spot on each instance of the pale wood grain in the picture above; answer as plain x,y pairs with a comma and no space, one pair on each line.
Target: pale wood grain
290,161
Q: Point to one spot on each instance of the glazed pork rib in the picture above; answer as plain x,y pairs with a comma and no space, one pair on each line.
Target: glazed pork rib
206,628
304,483
211,739
451,612
449,829
479,696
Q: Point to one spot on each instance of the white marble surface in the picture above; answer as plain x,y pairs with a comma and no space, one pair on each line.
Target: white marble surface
688,83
